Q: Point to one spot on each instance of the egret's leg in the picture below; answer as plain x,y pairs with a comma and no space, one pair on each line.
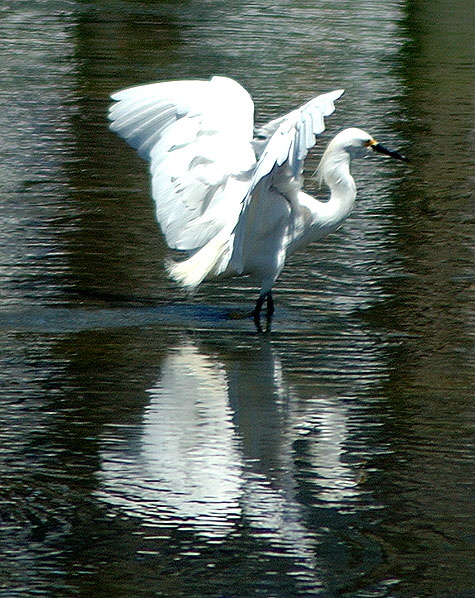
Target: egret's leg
256,314
267,297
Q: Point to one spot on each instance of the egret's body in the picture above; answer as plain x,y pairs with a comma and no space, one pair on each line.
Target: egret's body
233,200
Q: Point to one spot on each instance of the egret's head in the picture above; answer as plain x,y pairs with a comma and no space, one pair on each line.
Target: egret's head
357,143
350,143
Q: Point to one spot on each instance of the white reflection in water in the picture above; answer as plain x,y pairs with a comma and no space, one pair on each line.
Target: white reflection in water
187,464
216,446
189,450
335,480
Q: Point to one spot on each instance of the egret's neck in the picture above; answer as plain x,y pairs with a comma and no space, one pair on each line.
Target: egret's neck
336,174
314,219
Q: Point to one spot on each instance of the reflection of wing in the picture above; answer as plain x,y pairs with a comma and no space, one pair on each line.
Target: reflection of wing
187,468
197,135
189,441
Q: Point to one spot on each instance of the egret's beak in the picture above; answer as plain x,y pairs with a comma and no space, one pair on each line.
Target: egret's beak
377,147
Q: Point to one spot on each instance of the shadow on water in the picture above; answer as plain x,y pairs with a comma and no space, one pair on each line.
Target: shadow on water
173,315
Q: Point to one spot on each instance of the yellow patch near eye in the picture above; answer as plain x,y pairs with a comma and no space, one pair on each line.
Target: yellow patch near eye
371,142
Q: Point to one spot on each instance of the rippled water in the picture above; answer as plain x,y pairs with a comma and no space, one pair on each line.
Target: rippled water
150,445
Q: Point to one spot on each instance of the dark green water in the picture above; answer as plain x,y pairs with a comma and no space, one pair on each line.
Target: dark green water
149,446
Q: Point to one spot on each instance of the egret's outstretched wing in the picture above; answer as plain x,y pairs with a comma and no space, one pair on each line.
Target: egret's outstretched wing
291,136
197,136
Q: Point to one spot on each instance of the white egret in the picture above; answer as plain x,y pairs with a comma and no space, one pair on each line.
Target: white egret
228,195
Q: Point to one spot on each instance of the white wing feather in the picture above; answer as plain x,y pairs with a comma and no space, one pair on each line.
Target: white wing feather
294,136
197,136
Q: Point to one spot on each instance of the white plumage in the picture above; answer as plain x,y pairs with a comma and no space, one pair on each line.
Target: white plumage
230,198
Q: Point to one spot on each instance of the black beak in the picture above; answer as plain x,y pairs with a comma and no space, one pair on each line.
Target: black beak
377,147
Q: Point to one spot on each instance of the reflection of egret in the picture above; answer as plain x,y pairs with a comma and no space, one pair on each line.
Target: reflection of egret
215,455
195,465
233,200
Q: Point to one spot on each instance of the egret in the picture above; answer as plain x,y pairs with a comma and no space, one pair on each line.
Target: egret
227,194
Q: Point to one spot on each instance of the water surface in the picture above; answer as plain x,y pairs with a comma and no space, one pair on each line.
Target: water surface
150,445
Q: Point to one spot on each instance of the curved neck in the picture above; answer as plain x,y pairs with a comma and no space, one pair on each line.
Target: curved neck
314,219
342,191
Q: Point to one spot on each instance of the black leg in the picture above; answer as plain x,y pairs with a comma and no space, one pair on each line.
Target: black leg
269,313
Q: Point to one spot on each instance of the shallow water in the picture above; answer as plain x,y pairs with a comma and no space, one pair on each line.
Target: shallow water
153,446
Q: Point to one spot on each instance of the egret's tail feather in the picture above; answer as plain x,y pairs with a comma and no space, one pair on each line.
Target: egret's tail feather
210,261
